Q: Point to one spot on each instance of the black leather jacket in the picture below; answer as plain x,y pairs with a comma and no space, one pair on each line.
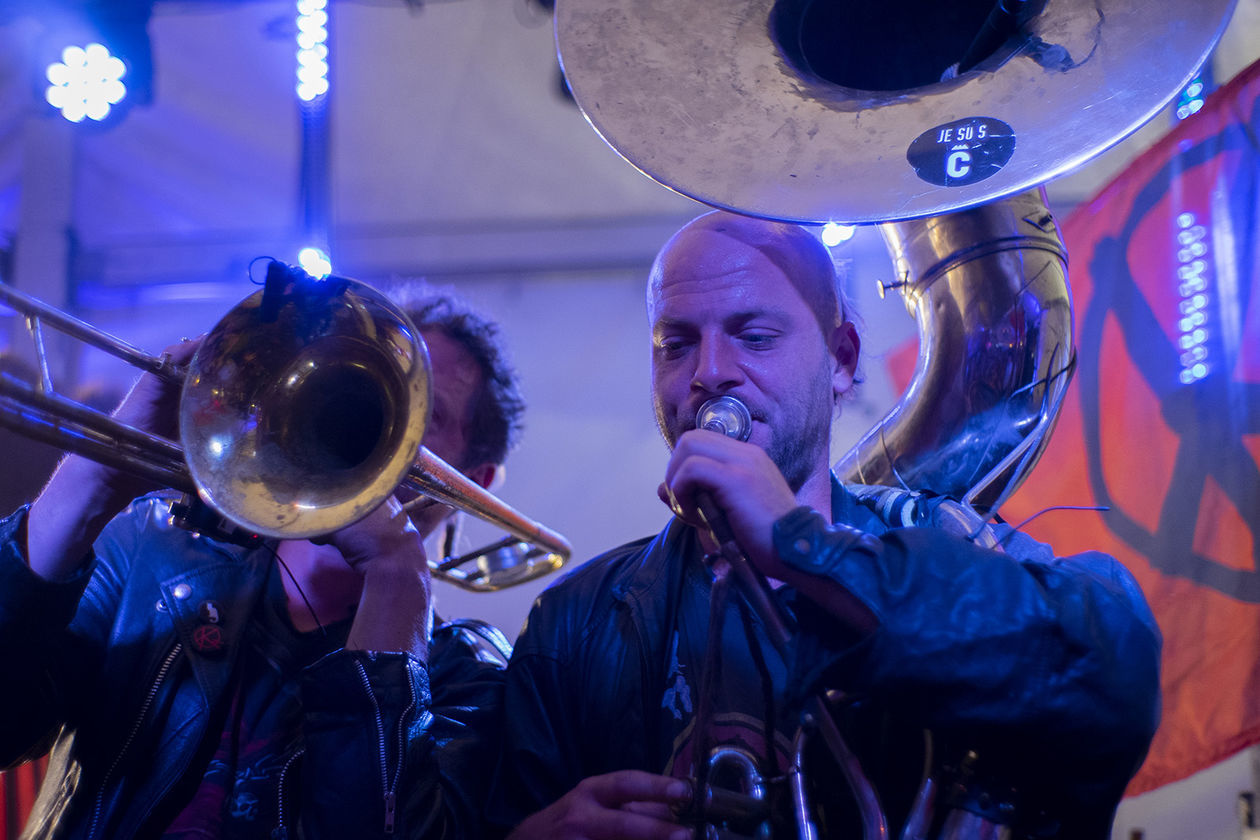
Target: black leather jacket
1048,667
104,669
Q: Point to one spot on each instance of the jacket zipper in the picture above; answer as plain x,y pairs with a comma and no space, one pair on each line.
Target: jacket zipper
131,736
390,787
281,831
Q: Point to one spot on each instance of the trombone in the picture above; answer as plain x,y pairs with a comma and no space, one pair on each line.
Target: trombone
301,411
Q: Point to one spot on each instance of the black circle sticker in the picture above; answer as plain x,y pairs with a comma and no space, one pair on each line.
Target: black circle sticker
962,152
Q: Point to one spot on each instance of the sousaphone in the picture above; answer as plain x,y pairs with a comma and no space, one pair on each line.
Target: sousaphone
938,120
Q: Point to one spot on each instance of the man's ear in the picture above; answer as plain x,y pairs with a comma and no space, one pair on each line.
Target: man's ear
485,475
844,347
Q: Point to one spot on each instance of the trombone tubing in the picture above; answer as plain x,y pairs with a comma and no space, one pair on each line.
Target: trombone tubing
37,310
53,419
68,425
433,477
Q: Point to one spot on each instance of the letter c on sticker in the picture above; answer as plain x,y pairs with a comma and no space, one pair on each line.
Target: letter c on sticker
958,164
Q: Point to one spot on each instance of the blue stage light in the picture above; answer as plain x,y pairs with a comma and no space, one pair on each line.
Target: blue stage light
315,262
834,234
1190,100
312,55
86,83
1194,273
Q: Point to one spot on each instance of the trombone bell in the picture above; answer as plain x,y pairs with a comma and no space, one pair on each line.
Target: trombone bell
305,405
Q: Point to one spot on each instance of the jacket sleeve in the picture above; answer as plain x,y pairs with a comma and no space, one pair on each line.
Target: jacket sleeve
51,637
577,666
398,749
541,756
1034,655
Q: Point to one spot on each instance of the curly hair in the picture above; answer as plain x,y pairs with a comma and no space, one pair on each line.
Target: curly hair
498,409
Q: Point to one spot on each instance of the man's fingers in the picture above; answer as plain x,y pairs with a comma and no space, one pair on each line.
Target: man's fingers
704,460
700,473
624,824
656,810
182,352
701,444
612,790
623,805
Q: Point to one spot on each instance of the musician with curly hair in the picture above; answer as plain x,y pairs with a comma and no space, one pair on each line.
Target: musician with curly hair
189,687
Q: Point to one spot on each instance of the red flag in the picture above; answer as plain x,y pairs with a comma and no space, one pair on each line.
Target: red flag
1163,421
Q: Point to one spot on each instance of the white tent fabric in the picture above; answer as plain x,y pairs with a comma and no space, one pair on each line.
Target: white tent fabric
447,117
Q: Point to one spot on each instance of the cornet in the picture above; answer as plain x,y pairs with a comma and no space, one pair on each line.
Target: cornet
302,410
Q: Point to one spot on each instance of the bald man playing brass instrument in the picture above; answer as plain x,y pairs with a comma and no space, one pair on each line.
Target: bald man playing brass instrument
635,687
190,687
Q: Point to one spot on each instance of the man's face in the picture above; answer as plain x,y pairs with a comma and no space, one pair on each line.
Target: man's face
456,380
727,320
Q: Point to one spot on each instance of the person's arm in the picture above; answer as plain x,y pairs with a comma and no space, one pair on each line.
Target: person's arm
398,748
56,596
395,610
1047,667
83,496
1055,657
53,634
994,635
400,733
913,594
747,488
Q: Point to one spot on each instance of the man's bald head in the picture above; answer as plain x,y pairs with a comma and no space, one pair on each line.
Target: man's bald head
796,252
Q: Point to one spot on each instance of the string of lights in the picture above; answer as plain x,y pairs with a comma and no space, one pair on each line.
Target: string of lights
313,92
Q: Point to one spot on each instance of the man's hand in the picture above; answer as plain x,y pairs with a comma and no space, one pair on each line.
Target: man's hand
623,805
83,496
741,480
393,612
152,405
385,537
749,488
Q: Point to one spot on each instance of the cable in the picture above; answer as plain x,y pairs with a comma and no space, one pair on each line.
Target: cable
1020,526
276,554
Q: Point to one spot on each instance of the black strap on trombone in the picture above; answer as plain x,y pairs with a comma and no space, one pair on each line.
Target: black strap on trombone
278,277
191,513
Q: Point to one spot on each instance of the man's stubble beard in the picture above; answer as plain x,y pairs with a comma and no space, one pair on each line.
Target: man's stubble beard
798,449
795,450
